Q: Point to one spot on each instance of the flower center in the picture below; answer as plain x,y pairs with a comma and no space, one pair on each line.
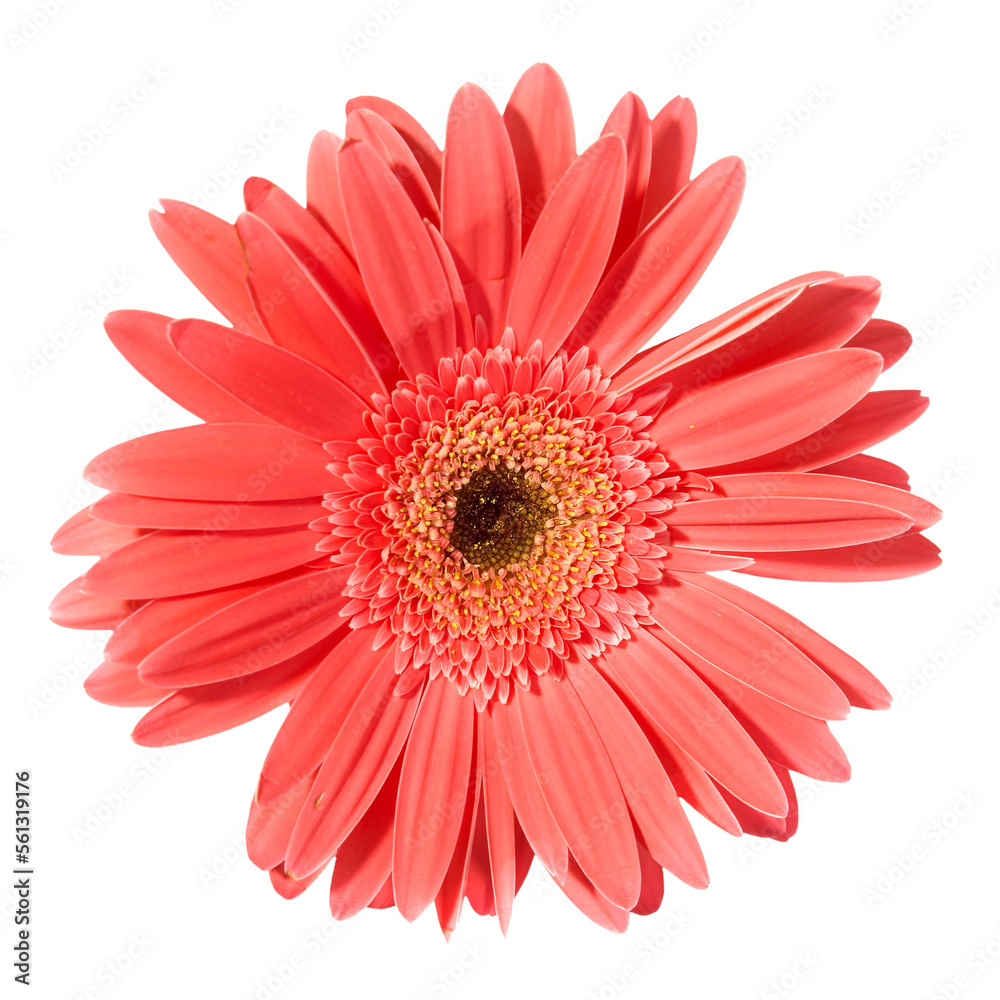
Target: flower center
499,517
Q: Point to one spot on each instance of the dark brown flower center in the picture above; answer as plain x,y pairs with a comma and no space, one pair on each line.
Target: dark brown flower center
499,514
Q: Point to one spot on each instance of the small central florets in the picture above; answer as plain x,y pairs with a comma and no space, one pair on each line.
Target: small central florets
499,517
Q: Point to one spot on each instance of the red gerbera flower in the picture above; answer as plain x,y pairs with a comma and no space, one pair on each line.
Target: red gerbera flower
448,505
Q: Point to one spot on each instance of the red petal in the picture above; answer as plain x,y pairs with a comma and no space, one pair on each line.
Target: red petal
499,819
481,204
72,608
630,120
876,417
282,386
764,410
530,807
115,684
757,486
363,123
202,515
263,629
323,196
678,703
875,470
579,783
400,267
890,340
197,712
889,559
654,276
208,251
651,798
674,131
323,257
318,713
585,897
448,901
364,859
239,462
300,316
434,778
270,825
423,147
357,765
781,523
539,121
170,563
141,338
81,535
746,648
564,259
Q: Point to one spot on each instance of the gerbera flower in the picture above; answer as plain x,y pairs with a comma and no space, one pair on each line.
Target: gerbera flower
447,503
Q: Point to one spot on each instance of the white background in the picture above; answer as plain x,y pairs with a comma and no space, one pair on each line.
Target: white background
832,913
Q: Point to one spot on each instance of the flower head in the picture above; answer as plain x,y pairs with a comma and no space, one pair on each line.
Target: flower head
447,503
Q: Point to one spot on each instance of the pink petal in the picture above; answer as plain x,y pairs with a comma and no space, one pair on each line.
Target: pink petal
530,808
423,147
564,258
276,383
170,563
435,776
82,535
238,462
323,257
764,410
746,648
202,515
499,819
651,896
876,417
651,798
400,267
465,336
890,559
579,783
890,340
270,825
679,704
265,628
363,123
300,316
208,251
357,765
323,195
654,276
197,712
539,121
141,338
695,561
318,713
585,897
630,120
781,523
674,131
364,859
115,684
448,901
481,205
797,484
73,608
875,470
